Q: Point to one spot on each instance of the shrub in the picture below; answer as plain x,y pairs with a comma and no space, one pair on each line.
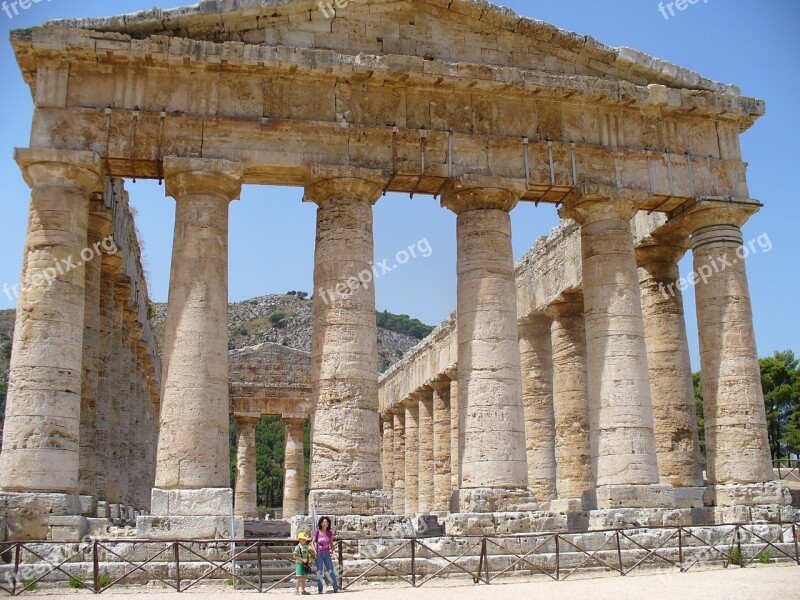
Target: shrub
77,582
28,585
104,580
736,557
765,557
277,319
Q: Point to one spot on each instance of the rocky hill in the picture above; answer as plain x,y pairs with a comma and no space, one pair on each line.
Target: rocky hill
286,319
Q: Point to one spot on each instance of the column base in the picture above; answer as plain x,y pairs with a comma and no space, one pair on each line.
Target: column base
494,500
691,497
626,518
346,502
751,494
28,514
204,502
635,496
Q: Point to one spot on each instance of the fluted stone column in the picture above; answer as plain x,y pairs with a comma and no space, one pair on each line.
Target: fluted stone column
294,483
494,472
192,473
442,489
245,502
387,454
536,356
426,465
620,409
570,400
41,435
399,494
737,444
412,454
456,441
671,387
345,462
100,226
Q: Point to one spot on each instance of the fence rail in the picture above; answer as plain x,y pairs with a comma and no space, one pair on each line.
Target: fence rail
787,469
181,564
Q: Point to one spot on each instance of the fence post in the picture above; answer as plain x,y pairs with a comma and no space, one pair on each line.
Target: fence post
177,553
619,555
96,565
796,545
341,563
413,562
16,569
260,567
680,548
558,558
486,562
739,546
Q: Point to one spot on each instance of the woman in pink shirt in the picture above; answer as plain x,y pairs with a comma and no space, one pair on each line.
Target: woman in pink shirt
323,545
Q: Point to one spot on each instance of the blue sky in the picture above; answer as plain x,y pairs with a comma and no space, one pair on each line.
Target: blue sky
753,44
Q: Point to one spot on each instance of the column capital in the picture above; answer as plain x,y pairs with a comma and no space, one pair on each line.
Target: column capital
328,182
706,212
658,251
598,203
535,323
569,304
440,384
188,176
63,168
475,192
246,420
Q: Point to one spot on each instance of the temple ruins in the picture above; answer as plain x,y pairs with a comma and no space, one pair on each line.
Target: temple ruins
559,394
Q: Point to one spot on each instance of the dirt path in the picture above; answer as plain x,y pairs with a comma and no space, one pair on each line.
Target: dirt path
775,583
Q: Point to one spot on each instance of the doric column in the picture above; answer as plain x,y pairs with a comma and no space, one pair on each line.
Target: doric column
570,398
345,461
671,388
399,493
412,454
536,356
442,489
426,466
192,470
245,503
456,440
620,409
737,442
494,471
133,412
294,483
387,454
41,436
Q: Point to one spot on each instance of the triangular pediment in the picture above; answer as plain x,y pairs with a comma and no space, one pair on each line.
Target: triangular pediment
457,31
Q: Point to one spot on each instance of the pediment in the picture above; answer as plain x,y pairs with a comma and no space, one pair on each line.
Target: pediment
452,31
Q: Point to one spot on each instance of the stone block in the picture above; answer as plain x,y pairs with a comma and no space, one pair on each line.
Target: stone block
470,524
102,510
205,502
88,505
345,502
178,527
635,496
98,527
690,497
27,514
752,494
490,500
624,518
566,505
67,529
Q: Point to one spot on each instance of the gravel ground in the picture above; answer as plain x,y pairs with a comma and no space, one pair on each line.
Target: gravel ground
775,583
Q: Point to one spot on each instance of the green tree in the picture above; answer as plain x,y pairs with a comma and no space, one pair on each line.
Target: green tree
780,380
403,324
697,381
277,319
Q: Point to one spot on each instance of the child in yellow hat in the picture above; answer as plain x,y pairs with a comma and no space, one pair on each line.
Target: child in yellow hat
301,563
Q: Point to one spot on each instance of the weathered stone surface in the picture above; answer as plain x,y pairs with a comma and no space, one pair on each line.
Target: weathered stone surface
752,494
27,514
294,484
189,528
246,498
204,502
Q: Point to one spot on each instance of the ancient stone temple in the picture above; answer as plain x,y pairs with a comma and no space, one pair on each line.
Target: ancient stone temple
558,396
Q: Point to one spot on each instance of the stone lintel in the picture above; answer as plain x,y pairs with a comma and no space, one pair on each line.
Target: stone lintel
64,168
635,496
186,176
295,418
204,502
475,192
